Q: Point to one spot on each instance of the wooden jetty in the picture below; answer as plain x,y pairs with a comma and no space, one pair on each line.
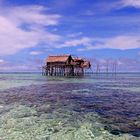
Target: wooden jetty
65,65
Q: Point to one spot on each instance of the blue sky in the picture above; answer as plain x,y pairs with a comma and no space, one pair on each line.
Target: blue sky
99,30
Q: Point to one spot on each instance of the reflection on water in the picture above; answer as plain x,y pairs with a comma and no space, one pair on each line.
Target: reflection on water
101,107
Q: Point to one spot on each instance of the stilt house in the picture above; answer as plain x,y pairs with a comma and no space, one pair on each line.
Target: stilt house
65,65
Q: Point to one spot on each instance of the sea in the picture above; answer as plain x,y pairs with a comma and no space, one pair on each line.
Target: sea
103,106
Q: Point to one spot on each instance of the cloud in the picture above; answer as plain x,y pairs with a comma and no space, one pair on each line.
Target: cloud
25,27
103,7
32,15
119,4
128,64
121,42
118,42
19,67
90,43
35,52
124,42
2,61
133,3
122,64
76,42
33,65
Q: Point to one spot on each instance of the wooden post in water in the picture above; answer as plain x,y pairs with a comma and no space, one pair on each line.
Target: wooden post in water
98,68
107,66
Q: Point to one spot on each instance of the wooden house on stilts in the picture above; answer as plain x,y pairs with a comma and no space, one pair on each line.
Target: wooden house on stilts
65,65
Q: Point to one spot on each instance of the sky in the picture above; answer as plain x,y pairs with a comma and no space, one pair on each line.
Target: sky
102,31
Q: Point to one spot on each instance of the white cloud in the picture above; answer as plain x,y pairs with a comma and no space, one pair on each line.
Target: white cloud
23,27
103,7
119,42
35,52
32,15
90,43
19,67
124,42
14,66
122,64
75,42
134,3
1,61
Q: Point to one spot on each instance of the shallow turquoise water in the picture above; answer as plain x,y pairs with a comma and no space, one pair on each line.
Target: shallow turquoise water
35,107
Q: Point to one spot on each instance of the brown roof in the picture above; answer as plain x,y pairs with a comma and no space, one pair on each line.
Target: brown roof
58,58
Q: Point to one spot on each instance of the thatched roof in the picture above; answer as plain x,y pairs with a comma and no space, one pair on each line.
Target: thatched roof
58,58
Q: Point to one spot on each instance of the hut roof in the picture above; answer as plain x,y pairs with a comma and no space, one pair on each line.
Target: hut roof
58,58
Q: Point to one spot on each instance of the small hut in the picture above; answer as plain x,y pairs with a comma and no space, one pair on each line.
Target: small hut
65,65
